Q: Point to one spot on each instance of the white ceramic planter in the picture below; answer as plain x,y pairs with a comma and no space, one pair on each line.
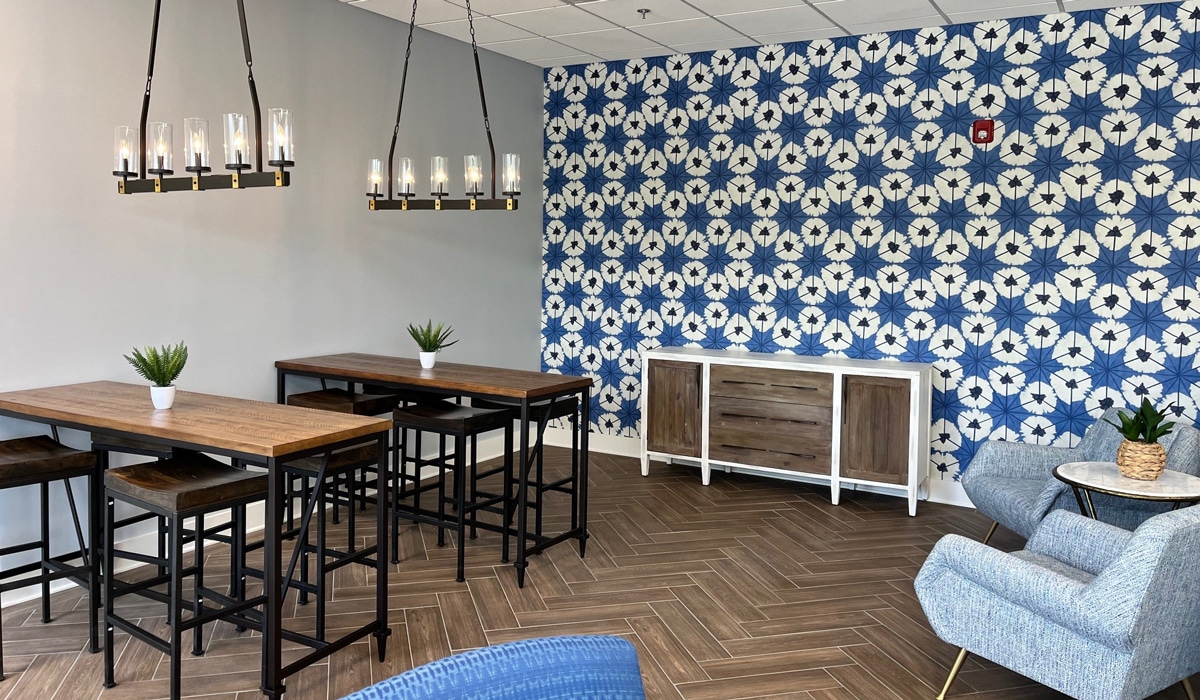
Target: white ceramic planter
428,359
162,396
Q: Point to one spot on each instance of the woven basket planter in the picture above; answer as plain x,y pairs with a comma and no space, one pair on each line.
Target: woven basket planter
1138,460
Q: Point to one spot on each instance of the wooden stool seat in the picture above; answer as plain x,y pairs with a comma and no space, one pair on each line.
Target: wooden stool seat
344,458
128,445
444,416
343,401
186,483
540,411
39,459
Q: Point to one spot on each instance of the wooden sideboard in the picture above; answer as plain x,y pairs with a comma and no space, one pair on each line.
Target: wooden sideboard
826,419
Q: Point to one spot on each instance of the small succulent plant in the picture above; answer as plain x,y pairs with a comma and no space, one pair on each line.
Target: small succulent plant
1145,425
160,366
430,338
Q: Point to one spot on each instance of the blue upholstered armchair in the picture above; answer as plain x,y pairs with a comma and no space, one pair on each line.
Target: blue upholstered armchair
1091,610
549,668
1012,482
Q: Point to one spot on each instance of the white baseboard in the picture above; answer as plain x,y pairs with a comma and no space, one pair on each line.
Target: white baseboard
940,490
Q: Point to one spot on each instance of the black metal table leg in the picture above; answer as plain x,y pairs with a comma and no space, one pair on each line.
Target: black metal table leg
272,681
381,565
581,485
522,487
95,537
280,386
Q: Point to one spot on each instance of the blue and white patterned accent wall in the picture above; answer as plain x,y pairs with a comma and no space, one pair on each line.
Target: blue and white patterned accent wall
825,198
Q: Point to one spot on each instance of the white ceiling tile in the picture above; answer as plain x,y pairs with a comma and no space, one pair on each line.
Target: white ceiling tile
608,41
895,25
564,61
532,49
847,12
496,7
626,54
555,21
724,7
799,35
487,30
625,12
689,30
770,21
702,46
1045,8
954,7
427,11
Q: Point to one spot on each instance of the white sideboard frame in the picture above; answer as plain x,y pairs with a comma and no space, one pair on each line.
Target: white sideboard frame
920,376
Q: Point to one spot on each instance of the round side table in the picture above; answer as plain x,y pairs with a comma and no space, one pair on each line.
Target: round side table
1103,477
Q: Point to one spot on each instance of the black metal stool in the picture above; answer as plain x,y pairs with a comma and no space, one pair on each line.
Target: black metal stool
372,401
541,413
188,485
41,460
448,420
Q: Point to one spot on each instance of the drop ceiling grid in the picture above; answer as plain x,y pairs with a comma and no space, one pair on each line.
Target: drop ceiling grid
553,32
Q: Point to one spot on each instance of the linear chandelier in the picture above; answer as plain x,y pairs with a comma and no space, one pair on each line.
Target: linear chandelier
404,199
157,156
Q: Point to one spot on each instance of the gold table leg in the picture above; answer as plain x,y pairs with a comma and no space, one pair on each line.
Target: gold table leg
958,662
1187,688
991,531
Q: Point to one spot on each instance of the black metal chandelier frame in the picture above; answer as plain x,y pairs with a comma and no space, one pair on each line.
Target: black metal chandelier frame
407,202
200,178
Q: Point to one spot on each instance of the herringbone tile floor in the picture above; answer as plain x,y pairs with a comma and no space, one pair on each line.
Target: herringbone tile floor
748,588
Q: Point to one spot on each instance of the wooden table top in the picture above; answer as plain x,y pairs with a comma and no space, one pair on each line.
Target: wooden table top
465,379
219,423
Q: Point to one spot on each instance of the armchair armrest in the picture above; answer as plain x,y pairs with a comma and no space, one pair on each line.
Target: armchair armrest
1018,460
1078,541
1043,592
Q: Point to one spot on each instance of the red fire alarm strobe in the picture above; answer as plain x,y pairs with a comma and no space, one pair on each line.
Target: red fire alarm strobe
983,131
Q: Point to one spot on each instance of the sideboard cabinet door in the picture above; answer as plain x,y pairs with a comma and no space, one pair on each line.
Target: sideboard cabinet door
875,429
673,407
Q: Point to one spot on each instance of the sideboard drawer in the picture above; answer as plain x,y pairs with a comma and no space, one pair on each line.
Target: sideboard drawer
774,456
765,384
769,420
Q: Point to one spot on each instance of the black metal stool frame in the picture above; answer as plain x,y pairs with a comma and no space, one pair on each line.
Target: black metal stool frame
201,614
55,567
456,463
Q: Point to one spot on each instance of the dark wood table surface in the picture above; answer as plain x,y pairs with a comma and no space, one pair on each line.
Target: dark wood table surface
256,432
522,387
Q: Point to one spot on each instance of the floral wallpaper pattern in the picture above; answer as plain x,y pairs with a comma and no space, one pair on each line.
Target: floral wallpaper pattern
826,198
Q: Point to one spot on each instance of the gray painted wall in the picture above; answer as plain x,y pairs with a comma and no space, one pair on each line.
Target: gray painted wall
246,277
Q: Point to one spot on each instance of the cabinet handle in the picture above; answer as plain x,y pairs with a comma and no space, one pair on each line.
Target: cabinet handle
797,388
699,386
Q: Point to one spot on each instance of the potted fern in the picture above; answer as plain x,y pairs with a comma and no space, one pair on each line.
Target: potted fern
161,367
1140,455
431,339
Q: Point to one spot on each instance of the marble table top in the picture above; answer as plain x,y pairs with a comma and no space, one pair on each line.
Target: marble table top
1104,477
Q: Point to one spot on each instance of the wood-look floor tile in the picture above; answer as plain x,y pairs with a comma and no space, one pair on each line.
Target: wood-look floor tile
763,685
670,653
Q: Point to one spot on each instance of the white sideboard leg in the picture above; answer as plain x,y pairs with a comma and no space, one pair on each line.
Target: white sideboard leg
645,464
912,501
835,491
705,472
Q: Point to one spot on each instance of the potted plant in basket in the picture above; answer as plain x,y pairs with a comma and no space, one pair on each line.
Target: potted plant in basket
1140,455
431,339
161,367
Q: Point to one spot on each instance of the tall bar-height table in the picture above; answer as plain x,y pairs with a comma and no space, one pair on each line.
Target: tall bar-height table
254,432
521,387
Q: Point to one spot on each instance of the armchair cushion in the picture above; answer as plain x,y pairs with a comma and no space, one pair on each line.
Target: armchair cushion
1078,542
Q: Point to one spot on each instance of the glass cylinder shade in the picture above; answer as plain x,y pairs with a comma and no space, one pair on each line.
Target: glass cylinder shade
375,178
195,141
407,180
279,137
125,152
473,175
438,175
512,174
238,142
160,158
